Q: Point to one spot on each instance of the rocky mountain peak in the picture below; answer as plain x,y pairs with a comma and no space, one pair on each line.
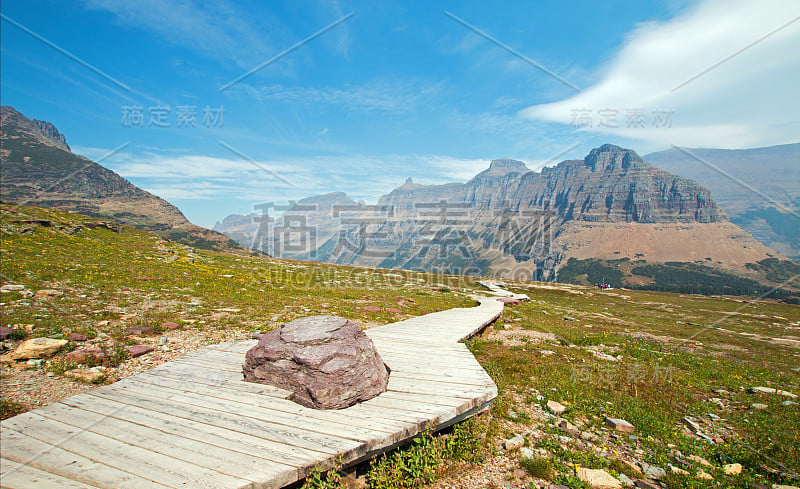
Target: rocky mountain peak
506,165
44,131
609,157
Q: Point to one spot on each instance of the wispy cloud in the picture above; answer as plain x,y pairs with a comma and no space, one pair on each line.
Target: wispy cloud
382,95
749,99
219,30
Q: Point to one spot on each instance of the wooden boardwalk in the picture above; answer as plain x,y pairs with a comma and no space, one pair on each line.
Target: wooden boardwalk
194,423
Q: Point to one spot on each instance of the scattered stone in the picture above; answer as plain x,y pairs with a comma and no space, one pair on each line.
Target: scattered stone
691,423
677,470
5,332
598,479
732,469
556,407
759,406
509,301
48,293
789,403
568,318
619,425
327,361
525,452
162,341
138,350
603,356
547,353
645,484
770,390
393,310
514,443
84,354
557,486
37,348
84,375
625,480
12,288
519,473
77,337
34,362
139,330
702,474
700,460
781,486
653,472
371,308
169,325
566,425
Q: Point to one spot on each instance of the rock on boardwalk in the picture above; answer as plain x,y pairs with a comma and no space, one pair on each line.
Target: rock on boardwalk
327,361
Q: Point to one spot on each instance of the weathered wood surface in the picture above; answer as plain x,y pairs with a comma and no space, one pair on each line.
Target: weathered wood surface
193,422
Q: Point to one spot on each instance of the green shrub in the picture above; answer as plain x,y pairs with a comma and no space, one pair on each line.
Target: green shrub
539,467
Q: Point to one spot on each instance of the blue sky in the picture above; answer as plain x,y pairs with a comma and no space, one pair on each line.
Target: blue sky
395,89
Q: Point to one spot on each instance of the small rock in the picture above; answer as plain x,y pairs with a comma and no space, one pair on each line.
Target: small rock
371,308
702,474
770,390
48,293
691,423
625,480
80,356
759,406
547,353
169,325
37,348
598,479
139,330
12,288
645,484
34,362
781,486
700,460
677,470
566,425
732,469
619,425
5,331
138,350
83,374
514,443
556,407
525,452
568,318
162,341
509,301
77,337
789,403
393,310
519,473
653,472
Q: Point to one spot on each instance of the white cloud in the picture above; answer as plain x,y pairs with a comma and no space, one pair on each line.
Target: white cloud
688,67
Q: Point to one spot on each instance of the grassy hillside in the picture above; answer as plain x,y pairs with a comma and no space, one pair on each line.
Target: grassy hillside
651,358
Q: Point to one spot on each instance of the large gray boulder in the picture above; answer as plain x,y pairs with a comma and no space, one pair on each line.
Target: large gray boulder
327,361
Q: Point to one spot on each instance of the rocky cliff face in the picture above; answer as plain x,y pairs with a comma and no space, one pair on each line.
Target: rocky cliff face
511,221
39,169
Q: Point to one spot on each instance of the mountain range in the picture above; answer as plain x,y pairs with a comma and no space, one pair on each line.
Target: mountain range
509,221
759,188
38,168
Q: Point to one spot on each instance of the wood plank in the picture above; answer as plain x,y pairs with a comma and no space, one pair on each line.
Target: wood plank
154,467
301,437
14,475
235,464
282,406
195,430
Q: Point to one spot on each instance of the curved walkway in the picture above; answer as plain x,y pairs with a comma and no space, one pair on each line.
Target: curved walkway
193,422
